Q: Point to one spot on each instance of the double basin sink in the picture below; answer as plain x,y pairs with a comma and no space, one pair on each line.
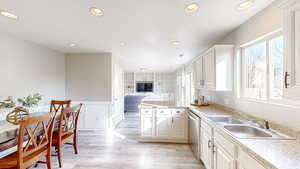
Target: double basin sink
243,129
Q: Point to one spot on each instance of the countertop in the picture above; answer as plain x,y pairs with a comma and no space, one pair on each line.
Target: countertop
160,104
271,153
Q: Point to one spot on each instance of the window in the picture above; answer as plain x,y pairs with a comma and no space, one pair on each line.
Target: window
262,69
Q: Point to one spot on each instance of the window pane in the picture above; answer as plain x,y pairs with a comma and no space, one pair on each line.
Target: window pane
256,71
276,67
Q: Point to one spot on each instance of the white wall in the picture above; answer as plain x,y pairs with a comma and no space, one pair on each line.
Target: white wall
28,68
89,76
264,22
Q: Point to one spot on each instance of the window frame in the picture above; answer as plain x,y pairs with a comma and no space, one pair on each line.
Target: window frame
266,38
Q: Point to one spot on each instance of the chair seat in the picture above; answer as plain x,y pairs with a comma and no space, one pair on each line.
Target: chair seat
11,160
64,138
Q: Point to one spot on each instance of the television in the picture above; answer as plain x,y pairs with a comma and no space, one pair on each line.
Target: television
144,87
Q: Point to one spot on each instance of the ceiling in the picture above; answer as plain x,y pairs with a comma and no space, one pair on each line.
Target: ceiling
147,27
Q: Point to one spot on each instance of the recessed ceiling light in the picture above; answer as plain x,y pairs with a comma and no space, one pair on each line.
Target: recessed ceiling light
8,14
72,44
192,7
96,11
142,69
122,43
245,5
175,42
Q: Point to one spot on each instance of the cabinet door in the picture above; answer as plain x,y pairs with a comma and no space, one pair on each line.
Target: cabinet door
292,51
179,126
163,126
206,149
198,73
147,127
247,162
222,159
209,69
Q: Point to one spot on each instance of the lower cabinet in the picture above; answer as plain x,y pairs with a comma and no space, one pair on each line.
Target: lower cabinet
222,159
206,149
247,162
219,152
164,124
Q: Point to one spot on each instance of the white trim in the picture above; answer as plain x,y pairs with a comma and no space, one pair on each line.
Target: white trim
282,102
93,102
263,38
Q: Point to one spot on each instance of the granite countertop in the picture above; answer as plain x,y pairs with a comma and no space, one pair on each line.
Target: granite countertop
160,104
272,153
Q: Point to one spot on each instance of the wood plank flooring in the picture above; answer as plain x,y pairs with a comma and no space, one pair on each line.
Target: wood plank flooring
119,149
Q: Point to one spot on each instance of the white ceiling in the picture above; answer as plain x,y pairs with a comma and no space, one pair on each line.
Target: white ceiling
146,26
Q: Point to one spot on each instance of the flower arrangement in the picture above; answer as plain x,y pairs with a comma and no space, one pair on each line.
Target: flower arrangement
28,102
8,103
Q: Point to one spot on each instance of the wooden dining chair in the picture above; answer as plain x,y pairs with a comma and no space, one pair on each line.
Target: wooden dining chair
59,105
67,130
34,142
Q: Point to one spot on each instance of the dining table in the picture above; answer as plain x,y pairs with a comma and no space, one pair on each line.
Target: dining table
9,135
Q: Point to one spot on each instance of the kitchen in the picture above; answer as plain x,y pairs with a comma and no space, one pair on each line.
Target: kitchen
181,84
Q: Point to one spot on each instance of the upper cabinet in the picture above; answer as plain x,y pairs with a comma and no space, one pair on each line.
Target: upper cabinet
292,49
198,73
214,69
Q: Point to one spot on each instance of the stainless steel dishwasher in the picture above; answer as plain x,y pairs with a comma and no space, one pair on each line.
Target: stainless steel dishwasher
194,133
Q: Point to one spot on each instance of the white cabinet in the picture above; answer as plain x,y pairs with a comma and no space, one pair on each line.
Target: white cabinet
198,73
224,152
206,145
214,69
163,122
209,69
292,48
147,120
165,125
247,162
179,124
206,149
222,159
178,127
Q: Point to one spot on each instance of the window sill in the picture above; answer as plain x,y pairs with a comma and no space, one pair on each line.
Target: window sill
284,102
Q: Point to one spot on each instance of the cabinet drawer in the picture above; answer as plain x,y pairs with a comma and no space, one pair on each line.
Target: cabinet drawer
225,144
147,112
178,112
206,127
163,112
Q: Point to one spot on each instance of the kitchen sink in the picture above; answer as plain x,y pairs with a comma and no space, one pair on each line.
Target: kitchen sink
247,131
225,119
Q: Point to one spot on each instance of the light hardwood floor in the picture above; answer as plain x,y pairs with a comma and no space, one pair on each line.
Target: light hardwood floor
119,149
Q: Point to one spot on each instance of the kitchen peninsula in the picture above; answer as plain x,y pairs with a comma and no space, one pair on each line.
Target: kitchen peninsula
163,122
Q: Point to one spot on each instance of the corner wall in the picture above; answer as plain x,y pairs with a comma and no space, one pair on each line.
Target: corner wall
89,76
28,68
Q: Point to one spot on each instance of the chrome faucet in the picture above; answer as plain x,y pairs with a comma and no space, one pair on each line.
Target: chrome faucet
266,124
